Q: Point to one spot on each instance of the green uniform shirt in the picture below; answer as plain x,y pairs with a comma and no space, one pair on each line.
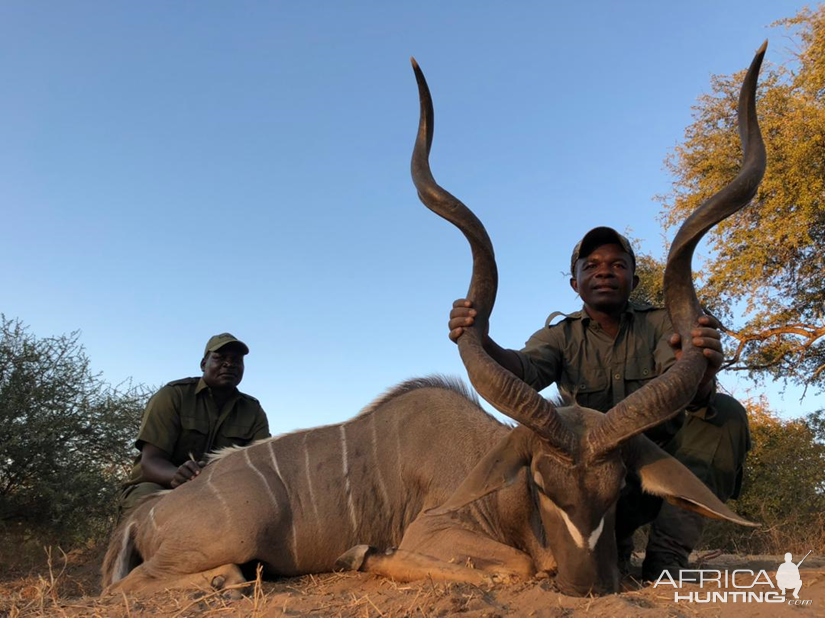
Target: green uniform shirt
600,371
182,418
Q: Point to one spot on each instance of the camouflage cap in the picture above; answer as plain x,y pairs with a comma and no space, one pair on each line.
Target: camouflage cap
597,237
218,341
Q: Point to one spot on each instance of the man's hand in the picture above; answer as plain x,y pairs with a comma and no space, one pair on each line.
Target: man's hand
158,467
706,337
186,472
461,317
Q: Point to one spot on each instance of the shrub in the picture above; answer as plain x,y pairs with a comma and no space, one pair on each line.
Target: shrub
784,487
65,438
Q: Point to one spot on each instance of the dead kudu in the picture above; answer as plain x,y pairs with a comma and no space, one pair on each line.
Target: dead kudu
425,470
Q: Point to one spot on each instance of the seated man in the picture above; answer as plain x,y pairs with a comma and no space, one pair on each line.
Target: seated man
188,418
610,349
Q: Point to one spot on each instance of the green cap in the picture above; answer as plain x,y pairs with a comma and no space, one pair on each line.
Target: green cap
218,341
597,237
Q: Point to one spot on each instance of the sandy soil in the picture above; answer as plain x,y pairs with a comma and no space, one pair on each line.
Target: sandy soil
70,586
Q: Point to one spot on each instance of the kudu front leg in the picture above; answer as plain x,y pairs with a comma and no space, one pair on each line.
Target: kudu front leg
445,554
406,566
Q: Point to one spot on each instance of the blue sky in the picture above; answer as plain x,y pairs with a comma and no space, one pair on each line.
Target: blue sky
175,170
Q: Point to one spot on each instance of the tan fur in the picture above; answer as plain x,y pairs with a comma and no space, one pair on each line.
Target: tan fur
300,501
240,508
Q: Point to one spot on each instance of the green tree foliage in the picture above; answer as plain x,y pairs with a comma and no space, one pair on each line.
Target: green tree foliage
767,261
65,437
784,486
651,274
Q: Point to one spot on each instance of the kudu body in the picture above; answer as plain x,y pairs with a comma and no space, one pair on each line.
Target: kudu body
299,501
427,471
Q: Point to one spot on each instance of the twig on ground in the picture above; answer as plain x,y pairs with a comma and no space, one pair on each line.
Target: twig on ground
380,613
701,560
257,592
417,594
126,603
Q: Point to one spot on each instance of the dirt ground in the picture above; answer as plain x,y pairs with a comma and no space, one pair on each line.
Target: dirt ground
69,587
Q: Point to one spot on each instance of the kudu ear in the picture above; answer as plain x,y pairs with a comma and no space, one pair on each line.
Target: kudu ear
664,476
496,470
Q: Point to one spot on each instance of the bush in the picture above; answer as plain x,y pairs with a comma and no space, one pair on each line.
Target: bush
784,487
65,438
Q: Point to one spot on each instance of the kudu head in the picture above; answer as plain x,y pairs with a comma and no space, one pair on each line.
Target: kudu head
578,459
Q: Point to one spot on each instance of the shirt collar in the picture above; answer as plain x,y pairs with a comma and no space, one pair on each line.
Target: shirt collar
628,314
203,385
630,311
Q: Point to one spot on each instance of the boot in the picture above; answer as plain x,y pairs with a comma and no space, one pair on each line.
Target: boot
673,535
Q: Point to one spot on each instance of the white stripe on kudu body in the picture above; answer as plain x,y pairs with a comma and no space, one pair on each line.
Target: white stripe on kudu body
217,493
377,462
287,505
152,519
398,450
347,486
261,476
308,471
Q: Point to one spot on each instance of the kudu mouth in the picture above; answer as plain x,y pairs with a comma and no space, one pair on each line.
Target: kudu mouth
665,396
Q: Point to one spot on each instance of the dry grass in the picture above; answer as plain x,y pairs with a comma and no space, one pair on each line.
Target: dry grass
66,582
42,592
795,533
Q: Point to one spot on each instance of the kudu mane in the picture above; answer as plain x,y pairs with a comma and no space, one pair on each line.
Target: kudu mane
442,382
447,383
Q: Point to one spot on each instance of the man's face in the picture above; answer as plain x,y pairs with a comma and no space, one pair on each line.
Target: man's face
223,369
604,279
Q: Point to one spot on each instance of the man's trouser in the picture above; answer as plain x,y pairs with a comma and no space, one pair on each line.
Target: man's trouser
132,494
712,444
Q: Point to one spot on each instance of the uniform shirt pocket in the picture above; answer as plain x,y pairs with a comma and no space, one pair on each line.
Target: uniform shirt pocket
590,388
235,432
638,372
193,437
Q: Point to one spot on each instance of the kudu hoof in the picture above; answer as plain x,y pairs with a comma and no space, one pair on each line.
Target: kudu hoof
232,595
218,582
353,559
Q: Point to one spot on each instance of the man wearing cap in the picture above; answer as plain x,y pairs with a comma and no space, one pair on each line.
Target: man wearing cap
188,418
611,348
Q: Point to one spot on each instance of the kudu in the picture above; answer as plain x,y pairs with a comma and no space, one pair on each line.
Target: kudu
425,470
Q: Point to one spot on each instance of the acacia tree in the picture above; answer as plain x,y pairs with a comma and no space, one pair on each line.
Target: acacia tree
651,273
767,260
65,437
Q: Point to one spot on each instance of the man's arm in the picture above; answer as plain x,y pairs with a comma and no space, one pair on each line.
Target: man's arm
157,467
462,317
261,428
159,433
